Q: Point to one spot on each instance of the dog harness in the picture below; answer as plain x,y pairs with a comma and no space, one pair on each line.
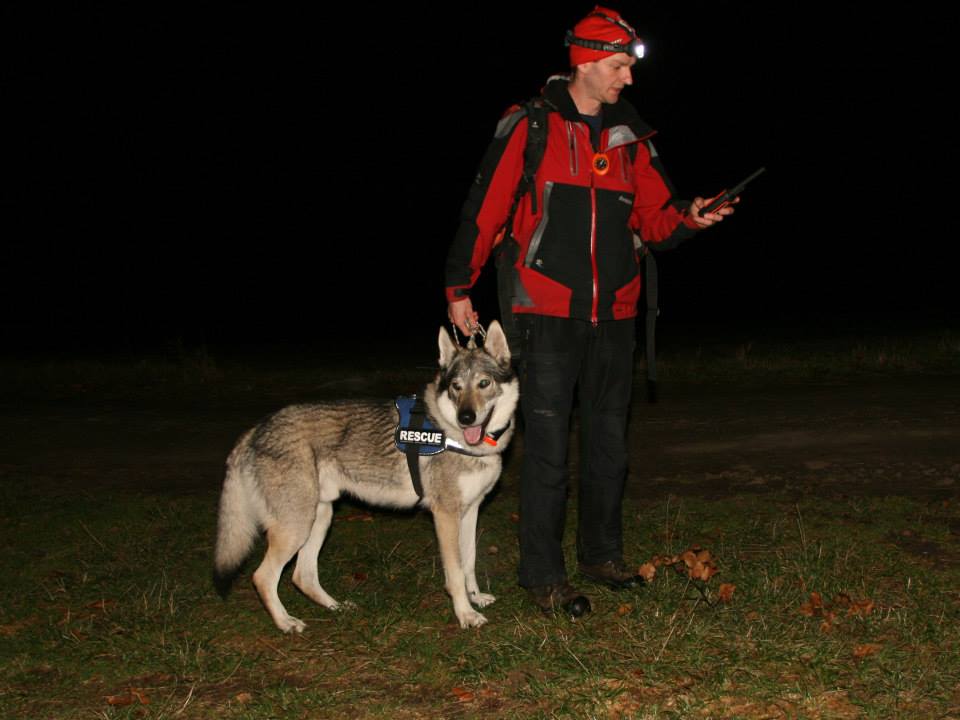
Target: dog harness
416,435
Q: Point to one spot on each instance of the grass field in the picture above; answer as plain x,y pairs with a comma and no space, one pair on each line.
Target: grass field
825,604
108,612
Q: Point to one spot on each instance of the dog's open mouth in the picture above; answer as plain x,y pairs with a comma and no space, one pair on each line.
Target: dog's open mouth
473,435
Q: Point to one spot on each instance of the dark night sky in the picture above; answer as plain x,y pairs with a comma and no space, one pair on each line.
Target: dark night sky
251,175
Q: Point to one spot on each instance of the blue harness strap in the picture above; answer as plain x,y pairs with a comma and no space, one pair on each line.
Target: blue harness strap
416,436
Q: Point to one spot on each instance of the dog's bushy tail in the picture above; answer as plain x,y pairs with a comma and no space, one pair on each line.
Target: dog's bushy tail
238,524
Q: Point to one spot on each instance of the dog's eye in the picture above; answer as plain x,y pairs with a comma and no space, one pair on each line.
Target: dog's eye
456,386
484,383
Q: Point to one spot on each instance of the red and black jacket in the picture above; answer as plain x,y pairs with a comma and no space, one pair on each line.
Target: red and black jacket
574,257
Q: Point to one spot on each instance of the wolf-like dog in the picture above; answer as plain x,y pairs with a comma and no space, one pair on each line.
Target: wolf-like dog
284,475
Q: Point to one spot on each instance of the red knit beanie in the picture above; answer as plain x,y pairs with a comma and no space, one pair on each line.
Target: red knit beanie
595,27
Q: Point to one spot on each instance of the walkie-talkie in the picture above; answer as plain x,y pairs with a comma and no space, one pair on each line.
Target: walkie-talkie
727,196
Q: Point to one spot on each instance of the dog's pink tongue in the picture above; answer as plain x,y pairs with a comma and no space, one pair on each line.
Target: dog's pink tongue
473,435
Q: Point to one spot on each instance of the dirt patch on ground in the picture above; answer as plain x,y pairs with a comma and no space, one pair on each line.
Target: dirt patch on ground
869,436
874,437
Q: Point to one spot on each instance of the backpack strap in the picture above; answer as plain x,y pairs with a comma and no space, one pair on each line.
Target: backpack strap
533,152
653,309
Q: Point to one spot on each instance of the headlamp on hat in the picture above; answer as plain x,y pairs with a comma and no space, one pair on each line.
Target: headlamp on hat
634,48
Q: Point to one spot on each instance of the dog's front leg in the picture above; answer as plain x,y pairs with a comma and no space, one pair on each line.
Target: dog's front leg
448,536
468,554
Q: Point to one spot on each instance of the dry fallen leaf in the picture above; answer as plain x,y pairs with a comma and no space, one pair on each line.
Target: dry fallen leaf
515,517
624,610
362,517
708,572
101,605
861,608
725,592
13,628
493,550
830,613
129,698
695,562
243,698
812,607
648,571
865,650
462,695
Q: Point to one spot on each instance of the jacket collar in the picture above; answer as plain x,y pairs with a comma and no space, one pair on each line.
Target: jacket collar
622,112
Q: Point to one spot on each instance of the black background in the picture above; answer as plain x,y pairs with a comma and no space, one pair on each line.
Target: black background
249,176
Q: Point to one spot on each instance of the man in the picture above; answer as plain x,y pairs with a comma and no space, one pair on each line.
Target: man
575,284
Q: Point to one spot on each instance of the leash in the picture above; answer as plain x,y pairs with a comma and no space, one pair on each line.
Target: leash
472,341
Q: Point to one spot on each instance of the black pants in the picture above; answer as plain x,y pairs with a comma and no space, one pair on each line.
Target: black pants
558,355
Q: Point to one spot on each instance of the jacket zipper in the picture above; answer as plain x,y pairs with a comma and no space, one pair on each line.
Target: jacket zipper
593,251
572,135
593,243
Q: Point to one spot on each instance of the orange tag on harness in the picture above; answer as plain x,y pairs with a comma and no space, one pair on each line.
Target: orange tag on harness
601,163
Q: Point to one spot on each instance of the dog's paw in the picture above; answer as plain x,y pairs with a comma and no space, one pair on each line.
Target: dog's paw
342,606
482,599
291,624
471,619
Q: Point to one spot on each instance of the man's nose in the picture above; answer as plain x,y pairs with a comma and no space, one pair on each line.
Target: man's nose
627,76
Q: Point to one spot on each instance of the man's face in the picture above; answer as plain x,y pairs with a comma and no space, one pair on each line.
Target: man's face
604,79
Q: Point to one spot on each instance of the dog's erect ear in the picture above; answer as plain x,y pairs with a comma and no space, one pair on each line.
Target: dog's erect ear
447,348
496,344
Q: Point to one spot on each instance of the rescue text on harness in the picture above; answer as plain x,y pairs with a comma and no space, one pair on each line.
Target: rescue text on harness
416,435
